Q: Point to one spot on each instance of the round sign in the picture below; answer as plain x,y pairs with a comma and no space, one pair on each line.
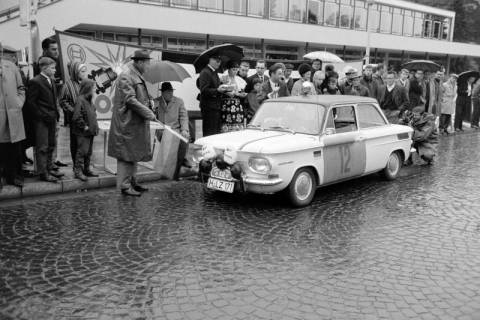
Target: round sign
103,103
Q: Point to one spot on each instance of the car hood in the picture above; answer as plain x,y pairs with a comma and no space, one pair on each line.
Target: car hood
257,141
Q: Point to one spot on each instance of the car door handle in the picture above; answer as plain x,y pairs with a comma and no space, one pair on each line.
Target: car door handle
361,138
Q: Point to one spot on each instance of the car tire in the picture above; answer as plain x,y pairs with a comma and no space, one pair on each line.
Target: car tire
301,189
394,164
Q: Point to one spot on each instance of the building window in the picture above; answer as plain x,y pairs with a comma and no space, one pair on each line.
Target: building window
157,41
346,13
278,9
189,45
296,11
374,18
256,8
122,37
408,23
331,12
397,21
436,29
427,27
418,24
210,5
360,19
238,7
386,20
182,3
446,29
281,52
108,36
315,11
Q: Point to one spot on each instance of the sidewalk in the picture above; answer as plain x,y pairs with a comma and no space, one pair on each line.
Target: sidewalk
34,187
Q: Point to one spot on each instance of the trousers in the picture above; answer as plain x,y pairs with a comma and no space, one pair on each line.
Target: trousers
11,161
45,143
211,121
84,147
126,174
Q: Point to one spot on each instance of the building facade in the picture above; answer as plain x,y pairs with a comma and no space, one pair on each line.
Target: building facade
271,29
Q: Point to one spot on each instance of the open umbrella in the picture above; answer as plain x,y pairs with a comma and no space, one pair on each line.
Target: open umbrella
160,71
324,56
425,65
463,77
226,51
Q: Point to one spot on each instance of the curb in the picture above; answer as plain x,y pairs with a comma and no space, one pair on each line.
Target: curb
38,188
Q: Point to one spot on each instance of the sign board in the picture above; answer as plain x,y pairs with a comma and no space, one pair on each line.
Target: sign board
105,61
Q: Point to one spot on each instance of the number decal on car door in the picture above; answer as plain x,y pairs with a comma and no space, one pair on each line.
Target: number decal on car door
345,158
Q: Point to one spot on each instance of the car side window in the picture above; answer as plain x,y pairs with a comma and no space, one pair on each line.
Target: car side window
342,119
369,116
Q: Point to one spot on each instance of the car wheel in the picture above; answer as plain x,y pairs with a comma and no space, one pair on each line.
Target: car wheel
301,189
394,164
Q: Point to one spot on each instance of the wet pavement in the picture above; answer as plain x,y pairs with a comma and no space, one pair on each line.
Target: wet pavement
365,249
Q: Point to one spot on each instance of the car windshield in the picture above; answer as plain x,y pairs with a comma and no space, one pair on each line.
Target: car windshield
294,117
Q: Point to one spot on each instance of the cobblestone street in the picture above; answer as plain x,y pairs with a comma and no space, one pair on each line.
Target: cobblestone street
365,249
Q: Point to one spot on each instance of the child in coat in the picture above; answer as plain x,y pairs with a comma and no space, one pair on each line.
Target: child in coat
85,128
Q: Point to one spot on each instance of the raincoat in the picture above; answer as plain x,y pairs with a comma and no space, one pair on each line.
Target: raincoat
129,137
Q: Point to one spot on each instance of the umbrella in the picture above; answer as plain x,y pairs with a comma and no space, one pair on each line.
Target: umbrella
425,65
324,56
160,71
463,77
226,51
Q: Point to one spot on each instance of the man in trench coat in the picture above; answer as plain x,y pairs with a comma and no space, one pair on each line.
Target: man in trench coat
129,137
12,132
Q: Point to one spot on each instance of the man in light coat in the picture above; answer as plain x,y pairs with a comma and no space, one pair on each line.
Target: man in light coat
447,104
170,110
129,137
12,132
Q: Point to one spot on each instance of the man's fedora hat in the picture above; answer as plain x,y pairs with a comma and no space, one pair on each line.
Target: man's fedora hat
141,54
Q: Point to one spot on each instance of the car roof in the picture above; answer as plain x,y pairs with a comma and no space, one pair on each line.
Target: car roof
326,100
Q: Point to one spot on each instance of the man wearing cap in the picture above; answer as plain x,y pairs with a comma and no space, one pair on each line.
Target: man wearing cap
129,137
274,87
171,111
210,97
42,104
352,85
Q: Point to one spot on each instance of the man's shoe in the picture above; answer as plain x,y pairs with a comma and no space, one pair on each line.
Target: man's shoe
60,163
17,182
28,161
90,173
79,175
131,192
56,174
140,188
54,167
48,178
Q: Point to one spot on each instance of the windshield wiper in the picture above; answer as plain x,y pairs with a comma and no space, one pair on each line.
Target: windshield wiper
255,126
282,128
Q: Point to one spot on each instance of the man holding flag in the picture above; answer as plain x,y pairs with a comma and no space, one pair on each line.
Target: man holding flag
129,137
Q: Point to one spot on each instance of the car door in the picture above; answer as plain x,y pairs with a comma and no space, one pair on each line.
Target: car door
374,130
344,148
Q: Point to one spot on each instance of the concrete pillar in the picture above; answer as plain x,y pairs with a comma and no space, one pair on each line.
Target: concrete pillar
386,60
447,64
263,47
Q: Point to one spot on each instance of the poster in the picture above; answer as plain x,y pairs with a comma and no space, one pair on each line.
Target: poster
105,60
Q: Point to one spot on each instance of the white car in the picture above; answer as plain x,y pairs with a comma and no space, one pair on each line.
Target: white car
296,144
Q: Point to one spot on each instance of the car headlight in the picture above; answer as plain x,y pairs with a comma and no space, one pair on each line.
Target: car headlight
259,165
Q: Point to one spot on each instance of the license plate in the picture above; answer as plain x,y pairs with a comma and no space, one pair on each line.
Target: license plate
221,185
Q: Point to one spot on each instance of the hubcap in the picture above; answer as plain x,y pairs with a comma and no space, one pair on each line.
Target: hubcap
393,164
303,186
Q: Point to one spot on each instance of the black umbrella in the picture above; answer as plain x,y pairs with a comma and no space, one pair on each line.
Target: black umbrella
464,76
425,65
226,51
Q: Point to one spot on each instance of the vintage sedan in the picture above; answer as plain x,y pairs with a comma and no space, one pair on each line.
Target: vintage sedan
296,144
